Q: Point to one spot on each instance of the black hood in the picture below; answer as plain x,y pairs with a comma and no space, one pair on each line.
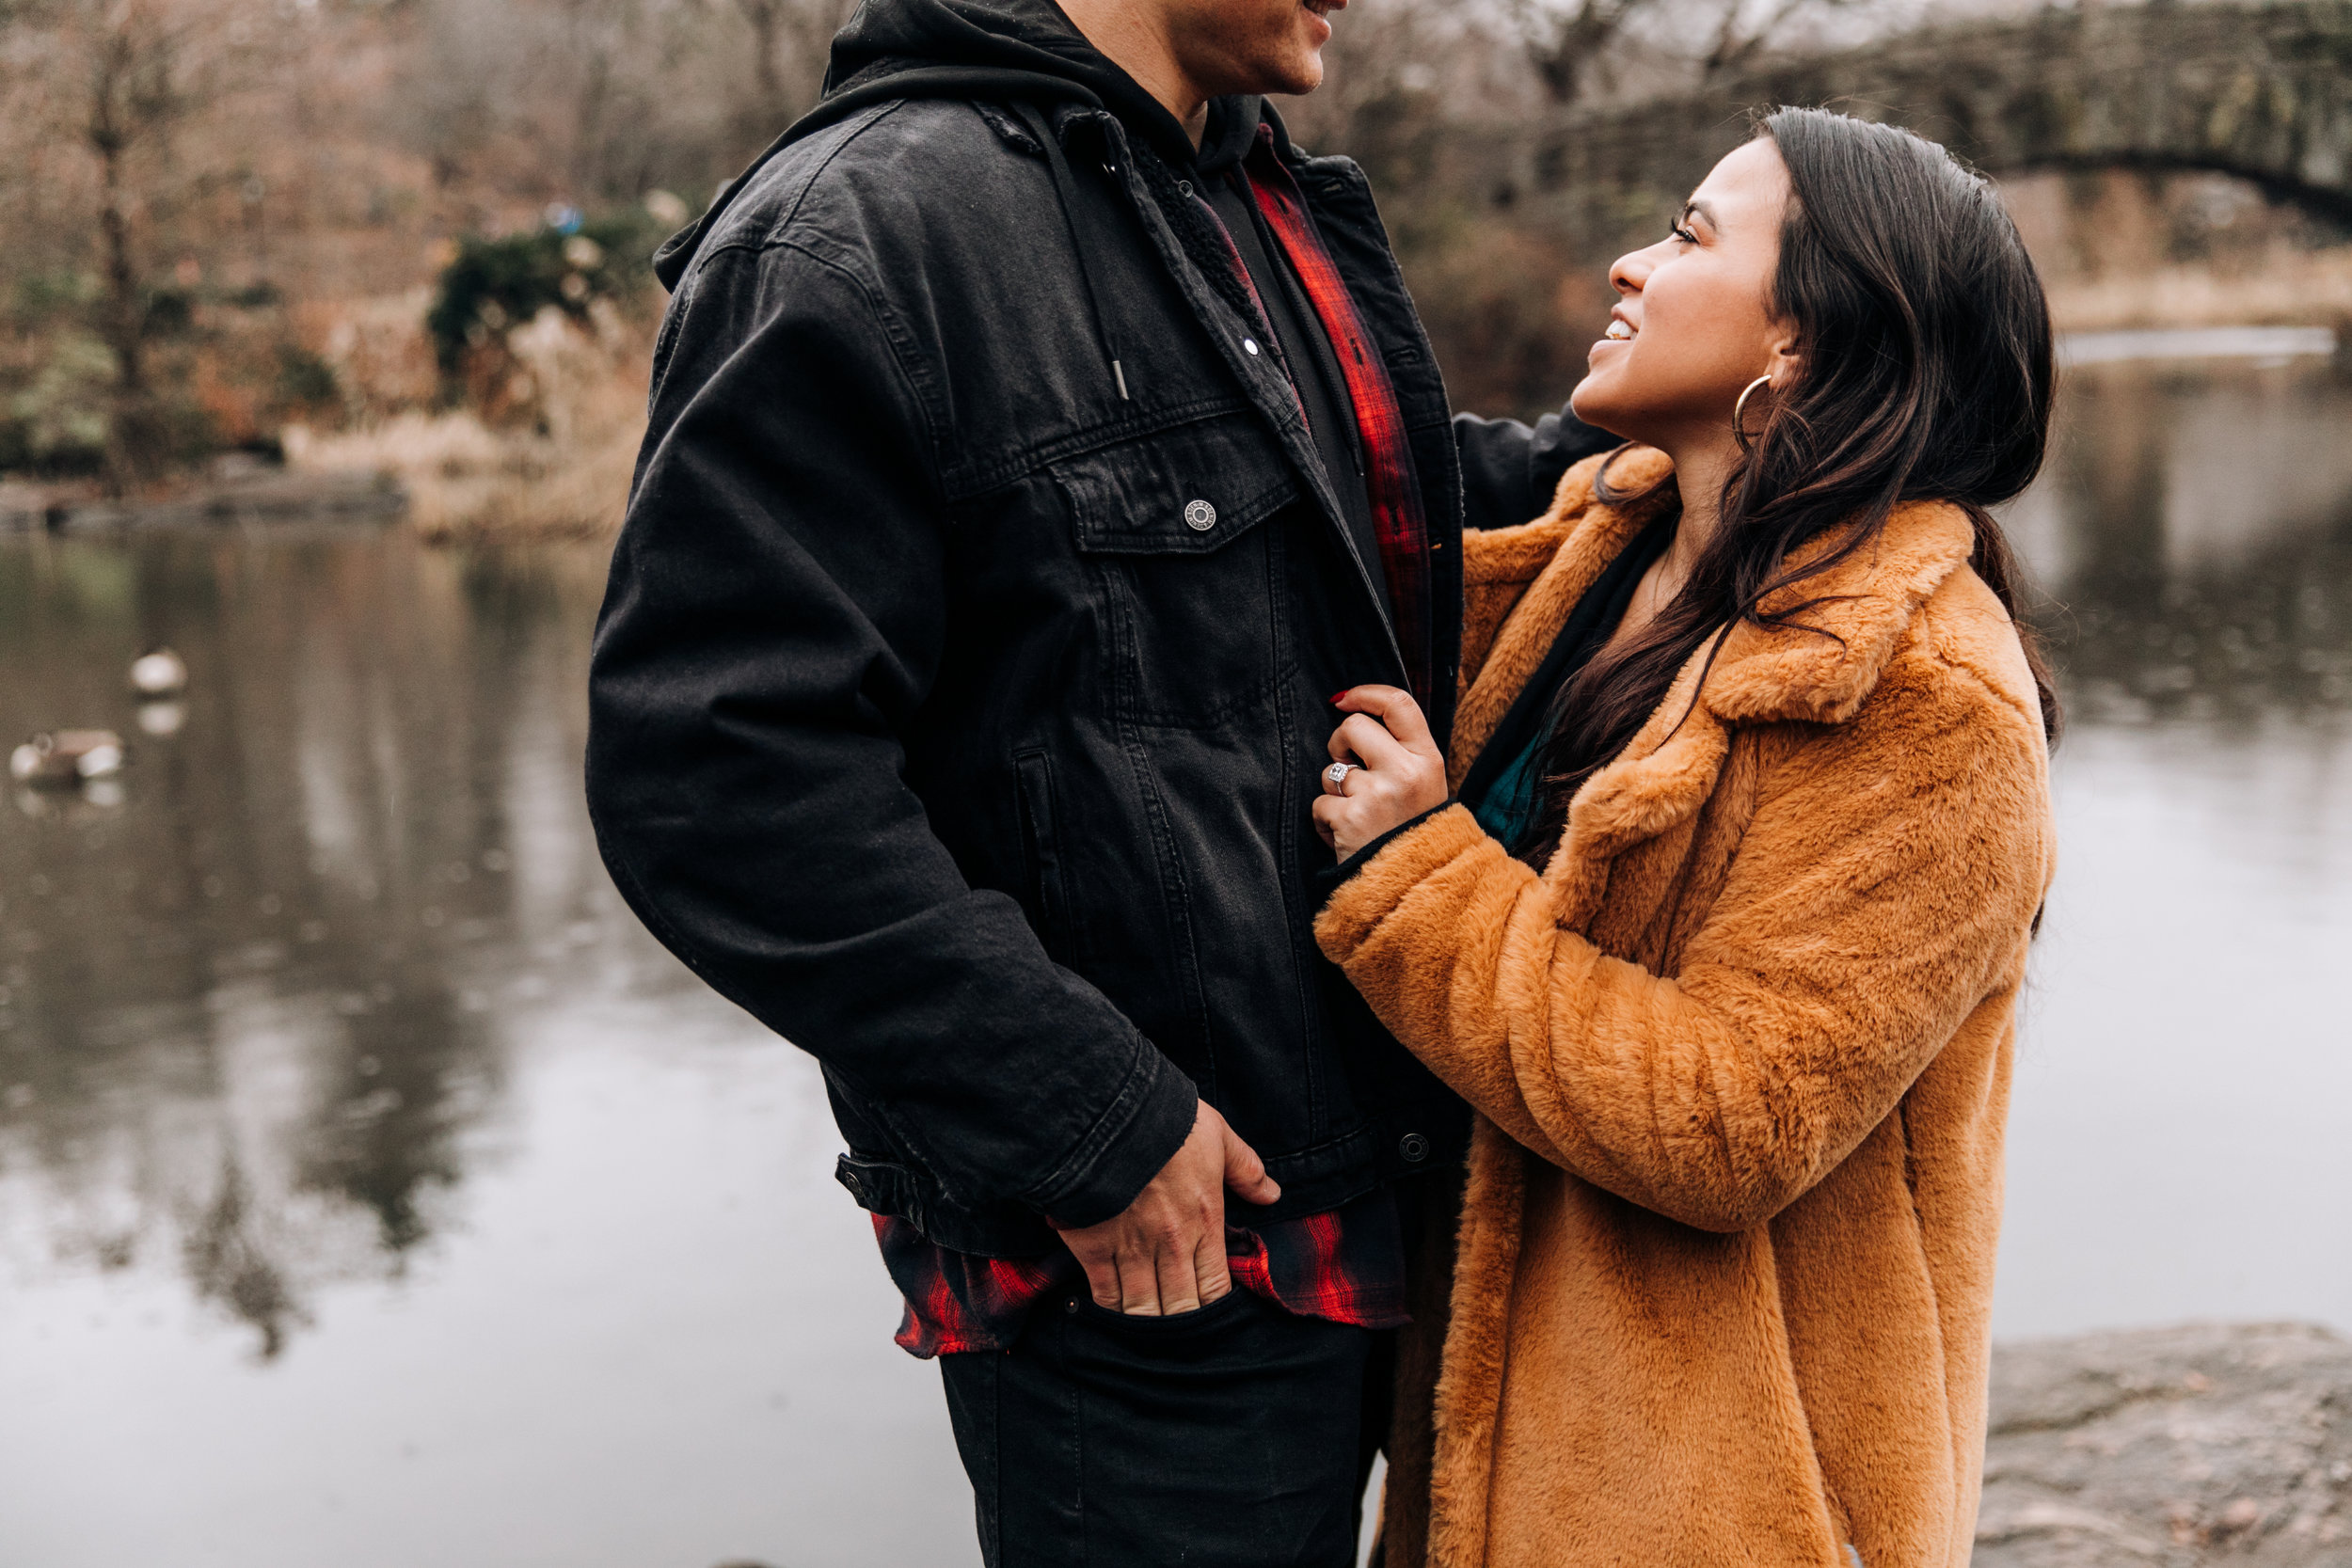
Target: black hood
1002,50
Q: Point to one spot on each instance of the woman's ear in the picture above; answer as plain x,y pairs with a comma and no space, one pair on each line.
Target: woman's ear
1785,361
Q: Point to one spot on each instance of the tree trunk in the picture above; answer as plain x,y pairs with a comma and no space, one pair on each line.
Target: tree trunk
766,20
1561,62
131,454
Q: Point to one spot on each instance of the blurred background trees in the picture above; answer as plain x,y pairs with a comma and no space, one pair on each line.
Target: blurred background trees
243,226
128,183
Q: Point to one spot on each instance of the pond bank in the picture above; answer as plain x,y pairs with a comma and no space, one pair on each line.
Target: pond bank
2170,1447
259,492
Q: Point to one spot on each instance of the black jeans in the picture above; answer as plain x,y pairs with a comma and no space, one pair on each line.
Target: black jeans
1230,1437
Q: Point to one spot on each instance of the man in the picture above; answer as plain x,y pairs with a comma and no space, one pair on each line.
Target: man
1039,439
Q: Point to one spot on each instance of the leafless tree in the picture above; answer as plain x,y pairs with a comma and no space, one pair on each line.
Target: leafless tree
122,81
599,101
766,19
1564,42
1575,46
1746,31
789,41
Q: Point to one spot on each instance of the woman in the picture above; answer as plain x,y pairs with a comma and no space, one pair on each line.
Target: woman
1723,932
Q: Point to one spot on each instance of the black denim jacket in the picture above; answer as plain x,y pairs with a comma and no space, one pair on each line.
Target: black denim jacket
958,717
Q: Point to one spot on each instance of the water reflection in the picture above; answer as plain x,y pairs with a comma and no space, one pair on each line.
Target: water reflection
2181,1065
372,1187
2196,528
242,1009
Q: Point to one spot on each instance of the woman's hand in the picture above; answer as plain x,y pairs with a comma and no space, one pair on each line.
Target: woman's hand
1392,772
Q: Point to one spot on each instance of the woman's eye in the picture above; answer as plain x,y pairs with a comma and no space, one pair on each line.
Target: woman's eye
1682,233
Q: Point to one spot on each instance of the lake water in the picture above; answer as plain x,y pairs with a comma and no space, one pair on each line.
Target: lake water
375,1192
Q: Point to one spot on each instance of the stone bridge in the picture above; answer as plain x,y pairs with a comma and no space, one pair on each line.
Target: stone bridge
2261,91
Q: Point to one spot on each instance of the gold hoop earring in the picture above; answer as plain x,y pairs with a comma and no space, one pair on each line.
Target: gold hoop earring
1740,412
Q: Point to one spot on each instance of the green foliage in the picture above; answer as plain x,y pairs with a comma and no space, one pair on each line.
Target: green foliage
498,283
58,423
304,379
64,421
167,432
45,296
171,313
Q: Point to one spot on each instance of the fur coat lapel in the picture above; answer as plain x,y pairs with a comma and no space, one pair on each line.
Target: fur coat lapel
1760,675
1521,584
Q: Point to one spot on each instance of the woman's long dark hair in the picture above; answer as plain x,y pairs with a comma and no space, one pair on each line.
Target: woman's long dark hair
1925,373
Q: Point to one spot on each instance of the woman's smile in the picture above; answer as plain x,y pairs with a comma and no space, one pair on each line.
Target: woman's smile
1622,329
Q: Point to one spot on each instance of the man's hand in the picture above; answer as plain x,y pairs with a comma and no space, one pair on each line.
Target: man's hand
1394,771
1167,1253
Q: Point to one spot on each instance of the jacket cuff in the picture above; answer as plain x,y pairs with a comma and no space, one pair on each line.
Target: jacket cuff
1146,1124
1380,874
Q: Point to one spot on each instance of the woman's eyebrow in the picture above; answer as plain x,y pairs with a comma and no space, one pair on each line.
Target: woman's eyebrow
1702,210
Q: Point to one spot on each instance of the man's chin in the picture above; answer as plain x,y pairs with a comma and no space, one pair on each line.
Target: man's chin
1291,65
1293,78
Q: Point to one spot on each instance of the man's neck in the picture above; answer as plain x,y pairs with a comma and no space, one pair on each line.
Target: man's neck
1133,38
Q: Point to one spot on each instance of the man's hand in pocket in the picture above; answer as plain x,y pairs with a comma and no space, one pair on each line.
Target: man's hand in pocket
1166,1253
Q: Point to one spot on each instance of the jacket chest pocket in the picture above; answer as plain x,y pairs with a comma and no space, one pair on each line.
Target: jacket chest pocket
1185,571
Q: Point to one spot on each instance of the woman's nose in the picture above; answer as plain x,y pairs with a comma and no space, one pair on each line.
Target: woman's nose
1628,272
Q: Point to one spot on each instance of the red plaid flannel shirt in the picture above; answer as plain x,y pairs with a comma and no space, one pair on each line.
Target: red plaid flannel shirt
1348,1265
1390,482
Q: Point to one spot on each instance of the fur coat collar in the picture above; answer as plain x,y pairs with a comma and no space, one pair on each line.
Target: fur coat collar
1760,674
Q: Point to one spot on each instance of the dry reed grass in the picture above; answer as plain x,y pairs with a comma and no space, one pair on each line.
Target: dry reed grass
553,458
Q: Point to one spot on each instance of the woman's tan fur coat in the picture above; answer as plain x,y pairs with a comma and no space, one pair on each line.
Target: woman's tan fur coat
1740,1057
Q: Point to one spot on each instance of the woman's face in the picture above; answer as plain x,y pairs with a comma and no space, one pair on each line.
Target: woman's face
1695,325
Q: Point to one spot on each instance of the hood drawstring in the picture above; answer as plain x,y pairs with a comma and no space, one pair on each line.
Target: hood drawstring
1066,184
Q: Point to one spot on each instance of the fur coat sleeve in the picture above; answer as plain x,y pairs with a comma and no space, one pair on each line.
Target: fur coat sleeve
1896,853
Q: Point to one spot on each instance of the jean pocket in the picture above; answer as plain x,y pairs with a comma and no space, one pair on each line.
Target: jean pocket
1231,1307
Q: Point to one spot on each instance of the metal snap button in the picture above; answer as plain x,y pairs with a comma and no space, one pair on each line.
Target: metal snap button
849,1179
1199,516
1414,1147
1249,346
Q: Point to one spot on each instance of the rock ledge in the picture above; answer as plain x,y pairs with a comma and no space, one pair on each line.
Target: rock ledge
2170,1447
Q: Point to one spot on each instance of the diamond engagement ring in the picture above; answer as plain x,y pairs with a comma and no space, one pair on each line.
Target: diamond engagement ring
1337,773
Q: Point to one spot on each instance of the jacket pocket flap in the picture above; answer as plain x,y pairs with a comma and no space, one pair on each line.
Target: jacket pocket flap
1184,491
